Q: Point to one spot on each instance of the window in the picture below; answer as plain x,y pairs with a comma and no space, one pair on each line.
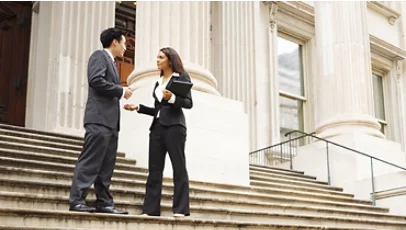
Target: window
291,86
379,100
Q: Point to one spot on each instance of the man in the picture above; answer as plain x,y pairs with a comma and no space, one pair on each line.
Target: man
102,124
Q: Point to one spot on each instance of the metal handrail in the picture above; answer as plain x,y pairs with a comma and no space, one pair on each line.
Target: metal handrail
333,143
350,149
303,135
281,143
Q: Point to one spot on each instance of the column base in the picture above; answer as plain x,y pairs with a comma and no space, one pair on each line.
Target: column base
217,137
348,124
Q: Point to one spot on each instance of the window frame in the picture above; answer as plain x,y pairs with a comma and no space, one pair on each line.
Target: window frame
383,123
304,70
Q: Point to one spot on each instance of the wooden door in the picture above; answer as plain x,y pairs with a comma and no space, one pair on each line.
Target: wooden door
15,28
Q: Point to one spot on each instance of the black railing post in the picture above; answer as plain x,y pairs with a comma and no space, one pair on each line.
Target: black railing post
373,183
328,165
290,152
281,155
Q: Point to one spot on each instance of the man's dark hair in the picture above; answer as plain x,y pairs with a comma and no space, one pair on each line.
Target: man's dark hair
110,34
175,63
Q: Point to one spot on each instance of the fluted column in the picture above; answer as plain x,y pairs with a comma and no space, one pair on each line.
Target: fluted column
184,26
69,33
241,63
344,92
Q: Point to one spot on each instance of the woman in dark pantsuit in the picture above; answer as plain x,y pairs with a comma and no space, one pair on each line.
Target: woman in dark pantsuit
167,134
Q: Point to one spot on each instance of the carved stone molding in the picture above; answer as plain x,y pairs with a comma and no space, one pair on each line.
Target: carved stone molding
273,9
298,10
399,69
296,19
386,11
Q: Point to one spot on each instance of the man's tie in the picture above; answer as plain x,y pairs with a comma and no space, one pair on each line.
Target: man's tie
115,64
115,69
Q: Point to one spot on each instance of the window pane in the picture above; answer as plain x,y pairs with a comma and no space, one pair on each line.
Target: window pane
291,115
290,67
379,104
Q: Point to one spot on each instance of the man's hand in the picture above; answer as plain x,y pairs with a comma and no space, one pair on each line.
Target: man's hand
128,93
130,107
167,94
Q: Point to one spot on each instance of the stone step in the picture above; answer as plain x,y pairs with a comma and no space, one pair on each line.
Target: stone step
280,172
130,184
44,133
132,174
38,218
40,143
52,202
34,136
42,149
55,167
33,164
293,178
264,181
269,188
205,195
3,227
119,177
259,167
330,219
282,187
44,157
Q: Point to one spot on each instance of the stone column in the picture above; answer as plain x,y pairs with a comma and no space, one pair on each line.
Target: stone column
243,62
235,64
66,33
344,94
184,26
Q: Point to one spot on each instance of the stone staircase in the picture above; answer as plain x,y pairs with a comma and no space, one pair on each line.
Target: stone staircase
35,176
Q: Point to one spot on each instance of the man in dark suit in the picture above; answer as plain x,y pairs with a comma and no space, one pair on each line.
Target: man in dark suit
102,124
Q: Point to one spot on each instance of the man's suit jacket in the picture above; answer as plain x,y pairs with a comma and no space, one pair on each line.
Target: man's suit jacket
103,105
170,114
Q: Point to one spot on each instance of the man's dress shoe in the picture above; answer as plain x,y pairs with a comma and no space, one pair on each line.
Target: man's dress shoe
81,208
110,209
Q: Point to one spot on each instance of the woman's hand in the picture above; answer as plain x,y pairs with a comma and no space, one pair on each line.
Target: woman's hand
167,94
130,107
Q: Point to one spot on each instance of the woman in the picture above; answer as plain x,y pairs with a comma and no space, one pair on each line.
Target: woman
167,134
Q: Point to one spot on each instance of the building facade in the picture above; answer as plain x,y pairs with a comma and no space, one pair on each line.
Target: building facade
260,70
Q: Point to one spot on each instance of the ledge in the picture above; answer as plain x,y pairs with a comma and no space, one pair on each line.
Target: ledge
296,19
299,10
391,193
386,11
386,49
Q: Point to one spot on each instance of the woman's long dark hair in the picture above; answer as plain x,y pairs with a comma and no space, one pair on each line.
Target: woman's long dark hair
175,63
